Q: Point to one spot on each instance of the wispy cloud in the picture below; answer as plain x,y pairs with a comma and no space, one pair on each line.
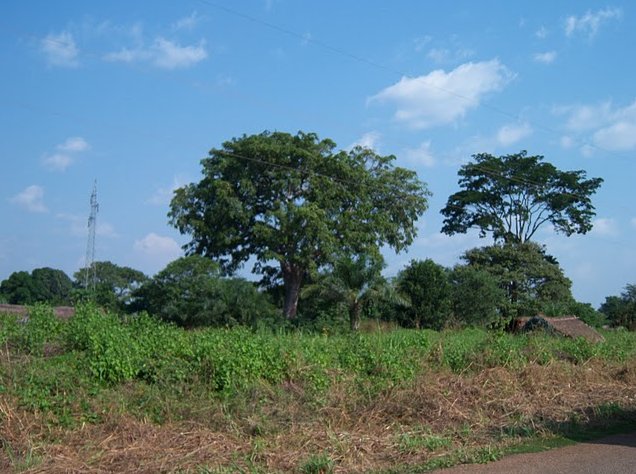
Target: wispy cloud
163,53
440,97
605,227
155,251
611,128
78,226
31,199
74,144
513,133
421,155
546,58
65,156
541,33
162,196
188,22
590,23
369,140
60,49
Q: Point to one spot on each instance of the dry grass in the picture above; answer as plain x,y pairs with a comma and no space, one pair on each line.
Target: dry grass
278,432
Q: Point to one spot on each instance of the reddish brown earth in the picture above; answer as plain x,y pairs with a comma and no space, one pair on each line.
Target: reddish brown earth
611,455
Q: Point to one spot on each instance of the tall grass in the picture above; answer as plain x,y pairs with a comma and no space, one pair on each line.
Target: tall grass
95,350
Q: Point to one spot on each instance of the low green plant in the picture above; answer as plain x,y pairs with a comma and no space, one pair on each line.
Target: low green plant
318,464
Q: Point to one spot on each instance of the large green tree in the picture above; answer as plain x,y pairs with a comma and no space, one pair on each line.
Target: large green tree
294,203
512,196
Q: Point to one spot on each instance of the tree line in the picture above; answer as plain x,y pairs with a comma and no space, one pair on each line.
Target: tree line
314,220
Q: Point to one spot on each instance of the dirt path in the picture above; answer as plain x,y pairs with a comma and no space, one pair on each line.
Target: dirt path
611,455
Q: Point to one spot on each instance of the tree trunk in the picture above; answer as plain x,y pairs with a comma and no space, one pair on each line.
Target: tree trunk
292,280
354,316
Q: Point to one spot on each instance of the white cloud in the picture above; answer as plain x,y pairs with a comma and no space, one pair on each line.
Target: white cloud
153,244
546,58
605,227
440,98
31,199
422,155
620,136
369,140
60,49
512,133
188,22
78,226
445,55
65,156
57,161
170,55
74,144
421,42
612,128
589,24
541,33
567,142
162,196
162,53
155,251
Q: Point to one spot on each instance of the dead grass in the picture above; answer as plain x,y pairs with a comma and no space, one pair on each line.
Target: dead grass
277,431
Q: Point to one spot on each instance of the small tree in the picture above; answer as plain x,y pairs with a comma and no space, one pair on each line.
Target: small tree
113,284
529,277
512,196
295,204
425,284
191,293
355,282
476,296
621,310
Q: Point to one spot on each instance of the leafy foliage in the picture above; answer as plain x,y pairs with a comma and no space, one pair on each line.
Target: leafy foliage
529,277
512,196
294,204
44,285
113,287
425,284
357,283
621,310
476,296
190,292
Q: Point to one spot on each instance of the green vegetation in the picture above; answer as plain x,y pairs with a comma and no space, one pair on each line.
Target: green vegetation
512,196
295,204
99,366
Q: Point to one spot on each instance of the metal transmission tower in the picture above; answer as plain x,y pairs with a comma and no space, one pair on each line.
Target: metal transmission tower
90,272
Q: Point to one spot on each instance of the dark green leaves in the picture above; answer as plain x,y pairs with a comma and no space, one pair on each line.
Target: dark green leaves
512,196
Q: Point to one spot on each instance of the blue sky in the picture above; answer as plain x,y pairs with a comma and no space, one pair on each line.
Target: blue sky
134,94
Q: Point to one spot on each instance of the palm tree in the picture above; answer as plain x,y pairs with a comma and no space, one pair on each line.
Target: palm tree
356,282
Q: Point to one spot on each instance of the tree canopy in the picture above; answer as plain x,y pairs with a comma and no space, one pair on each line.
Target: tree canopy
294,203
114,284
621,310
426,286
190,292
41,285
529,277
512,196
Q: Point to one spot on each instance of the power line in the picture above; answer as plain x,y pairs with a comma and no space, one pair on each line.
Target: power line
384,67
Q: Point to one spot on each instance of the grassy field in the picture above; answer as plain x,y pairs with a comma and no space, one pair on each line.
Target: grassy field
100,394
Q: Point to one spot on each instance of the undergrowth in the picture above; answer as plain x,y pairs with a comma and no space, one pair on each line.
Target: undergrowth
257,383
